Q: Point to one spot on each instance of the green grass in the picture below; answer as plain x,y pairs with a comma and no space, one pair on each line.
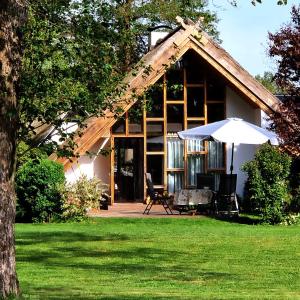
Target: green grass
198,258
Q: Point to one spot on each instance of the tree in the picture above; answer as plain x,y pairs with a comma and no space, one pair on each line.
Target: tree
285,48
74,52
77,52
268,81
12,17
254,2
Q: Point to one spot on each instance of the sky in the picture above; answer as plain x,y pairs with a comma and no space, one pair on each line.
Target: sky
244,30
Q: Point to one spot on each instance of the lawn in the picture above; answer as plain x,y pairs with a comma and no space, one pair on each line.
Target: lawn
197,258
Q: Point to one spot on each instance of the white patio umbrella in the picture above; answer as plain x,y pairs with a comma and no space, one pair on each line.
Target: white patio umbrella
231,130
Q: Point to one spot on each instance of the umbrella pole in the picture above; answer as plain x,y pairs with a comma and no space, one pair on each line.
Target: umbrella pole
232,151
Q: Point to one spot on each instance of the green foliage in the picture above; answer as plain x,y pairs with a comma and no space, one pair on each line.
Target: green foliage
80,197
291,219
38,191
25,153
268,81
76,54
267,185
67,73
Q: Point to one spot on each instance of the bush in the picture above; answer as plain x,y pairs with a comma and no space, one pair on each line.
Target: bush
267,185
38,191
80,196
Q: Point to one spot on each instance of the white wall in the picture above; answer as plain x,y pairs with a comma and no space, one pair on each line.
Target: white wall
92,166
236,106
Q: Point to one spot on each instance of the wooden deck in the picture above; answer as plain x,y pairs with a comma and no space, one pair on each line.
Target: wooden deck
135,210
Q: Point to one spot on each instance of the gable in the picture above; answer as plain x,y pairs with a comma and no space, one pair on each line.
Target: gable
154,64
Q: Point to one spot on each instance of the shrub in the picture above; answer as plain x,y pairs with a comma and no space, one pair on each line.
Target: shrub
80,196
38,190
267,185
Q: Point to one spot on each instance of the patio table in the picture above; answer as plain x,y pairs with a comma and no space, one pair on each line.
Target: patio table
191,199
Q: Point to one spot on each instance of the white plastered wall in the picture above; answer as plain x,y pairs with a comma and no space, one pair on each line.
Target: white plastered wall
236,106
92,166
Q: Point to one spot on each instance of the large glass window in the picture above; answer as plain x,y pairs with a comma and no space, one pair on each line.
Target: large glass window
135,118
193,124
155,166
175,121
215,90
119,126
175,181
195,146
195,68
215,112
195,102
155,136
154,100
196,164
174,81
215,155
175,153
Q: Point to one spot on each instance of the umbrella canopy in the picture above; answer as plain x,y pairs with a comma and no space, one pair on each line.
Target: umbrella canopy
231,130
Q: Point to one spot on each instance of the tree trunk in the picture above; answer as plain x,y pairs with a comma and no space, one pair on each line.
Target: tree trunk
12,16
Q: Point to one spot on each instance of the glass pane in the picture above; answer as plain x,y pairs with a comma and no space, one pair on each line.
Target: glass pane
155,136
217,180
155,166
175,153
154,103
215,90
215,155
119,126
135,118
215,112
193,124
174,81
195,102
195,146
175,181
196,164
195,67
174,118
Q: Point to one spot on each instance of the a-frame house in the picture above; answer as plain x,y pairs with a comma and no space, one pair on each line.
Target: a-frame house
190,80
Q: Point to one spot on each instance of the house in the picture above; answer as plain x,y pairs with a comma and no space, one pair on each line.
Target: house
186,80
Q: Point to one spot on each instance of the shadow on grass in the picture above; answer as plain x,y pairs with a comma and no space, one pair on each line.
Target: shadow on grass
239,219
57,250
30,238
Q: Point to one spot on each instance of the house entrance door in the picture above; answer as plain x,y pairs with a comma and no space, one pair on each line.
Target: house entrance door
129,170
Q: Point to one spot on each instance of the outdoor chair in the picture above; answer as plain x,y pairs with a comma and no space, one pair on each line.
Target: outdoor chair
155,197
225,200
104,201
205,181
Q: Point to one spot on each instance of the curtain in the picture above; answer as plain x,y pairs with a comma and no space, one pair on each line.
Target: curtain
195,165
175,153
195,145
215,155
175,182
